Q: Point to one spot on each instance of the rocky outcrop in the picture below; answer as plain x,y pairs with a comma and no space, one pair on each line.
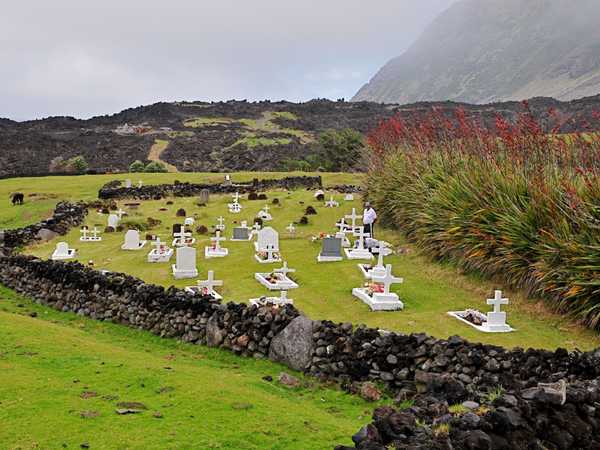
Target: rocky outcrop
114,190
294,345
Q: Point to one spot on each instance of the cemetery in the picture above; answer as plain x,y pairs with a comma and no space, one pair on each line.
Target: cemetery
376,282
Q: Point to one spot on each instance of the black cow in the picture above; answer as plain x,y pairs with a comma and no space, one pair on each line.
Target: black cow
17,198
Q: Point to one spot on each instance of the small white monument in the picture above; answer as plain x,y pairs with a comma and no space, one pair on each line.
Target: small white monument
63,252
378,296
353,218
183,238
278,279
291,229
319,193
113,221
185,263
349,197
189,222
359,251
86,237
274,301
207,287
120,213
132,241
235,207
128,183
378,270
267,246
331,203
492,322
221,225
215,250
161,253
264,214
140,183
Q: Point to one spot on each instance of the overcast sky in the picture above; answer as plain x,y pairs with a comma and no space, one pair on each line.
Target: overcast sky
74,57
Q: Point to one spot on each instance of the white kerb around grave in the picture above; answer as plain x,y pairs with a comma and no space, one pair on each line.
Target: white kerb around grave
161,253
493,322
359,251
185,263
276,301
216,251
113,221
132,241
63,252
381,301
278,279
267,246
207,287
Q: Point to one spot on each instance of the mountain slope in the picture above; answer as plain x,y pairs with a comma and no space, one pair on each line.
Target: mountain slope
481,51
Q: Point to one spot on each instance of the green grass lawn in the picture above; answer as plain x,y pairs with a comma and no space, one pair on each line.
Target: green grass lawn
429,290
208,398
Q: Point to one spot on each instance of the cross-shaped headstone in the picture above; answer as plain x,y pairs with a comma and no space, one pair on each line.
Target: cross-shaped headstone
120,213
256,227
291,228
497,301
361,235
95,233
236,197
284,270
210,283
221,225
84,231
331,203
388,279
244,224
342,226
217,240
353,217
266,209
380,247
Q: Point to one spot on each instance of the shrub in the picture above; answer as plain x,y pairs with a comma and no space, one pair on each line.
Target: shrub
516,203
137,166
181,213
252,196
132,224
155,167
310,211
303,221
342,150
201,229
262,196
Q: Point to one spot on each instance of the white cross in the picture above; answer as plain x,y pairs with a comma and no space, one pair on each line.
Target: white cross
217,240
331,203
291,228
388,279
361,235
120,213
342,226
497,301
256,227
235,208
95,233
157,244
84,231
283,297
236,197
380,256
353,217
221,226
210,283
266,209
244,224
284,270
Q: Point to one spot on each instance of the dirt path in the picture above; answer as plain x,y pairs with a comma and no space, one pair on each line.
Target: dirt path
156,151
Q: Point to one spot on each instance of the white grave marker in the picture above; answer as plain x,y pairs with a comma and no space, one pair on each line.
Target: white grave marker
185,263
381,299
63,252
216,251
359,251
132,241
207,287
267,246
161,253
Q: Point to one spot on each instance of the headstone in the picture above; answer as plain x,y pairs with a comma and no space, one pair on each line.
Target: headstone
353,218
331,250
189,221
132,241
359,251
86,237
113,221
128,183
177,228
291,229
319,193
331,203
204,197
161,253
183,239
381,299
278,279
349,197
185,263
216,251
63,251
496,319
267,246
207,287
140,183
379,269
221,225
120,213
227,180
241,234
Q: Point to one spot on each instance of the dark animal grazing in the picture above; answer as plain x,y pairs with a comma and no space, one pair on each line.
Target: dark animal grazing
17,198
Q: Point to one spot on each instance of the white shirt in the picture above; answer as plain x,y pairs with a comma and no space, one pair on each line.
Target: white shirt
369,216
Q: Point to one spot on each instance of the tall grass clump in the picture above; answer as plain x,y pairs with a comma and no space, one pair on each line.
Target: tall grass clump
516,203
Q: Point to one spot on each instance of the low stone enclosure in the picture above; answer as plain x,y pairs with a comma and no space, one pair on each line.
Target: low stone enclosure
466,395
114,189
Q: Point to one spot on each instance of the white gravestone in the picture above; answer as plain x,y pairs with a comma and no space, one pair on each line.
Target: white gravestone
353,218
215,250
267,246
189,222
264,214
161,253
185,263
120,213
379,269
63,251
349,197
359,251
132,241
291,229
381,299
127,183
492,322
331,203
331,250
319,193
207,287
235,207
113,221
86,237
278,279
221,225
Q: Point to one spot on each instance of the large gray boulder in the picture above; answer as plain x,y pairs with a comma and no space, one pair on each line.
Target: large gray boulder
46,235
214,333
294,345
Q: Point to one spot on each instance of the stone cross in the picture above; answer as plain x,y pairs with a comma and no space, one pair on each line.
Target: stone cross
157,244
221,225
217,240
95,233
210,283
331,203
353,218
256,227
266,209
236,197
84,231
380,256
284,270
361,235
291,228
342,226
120,213
388,279
497,301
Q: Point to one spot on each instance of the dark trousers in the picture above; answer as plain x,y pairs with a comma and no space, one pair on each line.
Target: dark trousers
370,229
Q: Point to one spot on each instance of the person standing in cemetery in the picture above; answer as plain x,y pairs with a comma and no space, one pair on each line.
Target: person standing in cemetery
369,219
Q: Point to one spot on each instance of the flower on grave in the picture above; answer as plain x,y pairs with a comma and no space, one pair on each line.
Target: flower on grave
374,288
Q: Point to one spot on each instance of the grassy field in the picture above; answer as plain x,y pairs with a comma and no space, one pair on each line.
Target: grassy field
62,377
429,290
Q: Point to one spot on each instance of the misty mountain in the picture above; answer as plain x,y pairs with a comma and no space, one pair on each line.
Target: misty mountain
482,51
